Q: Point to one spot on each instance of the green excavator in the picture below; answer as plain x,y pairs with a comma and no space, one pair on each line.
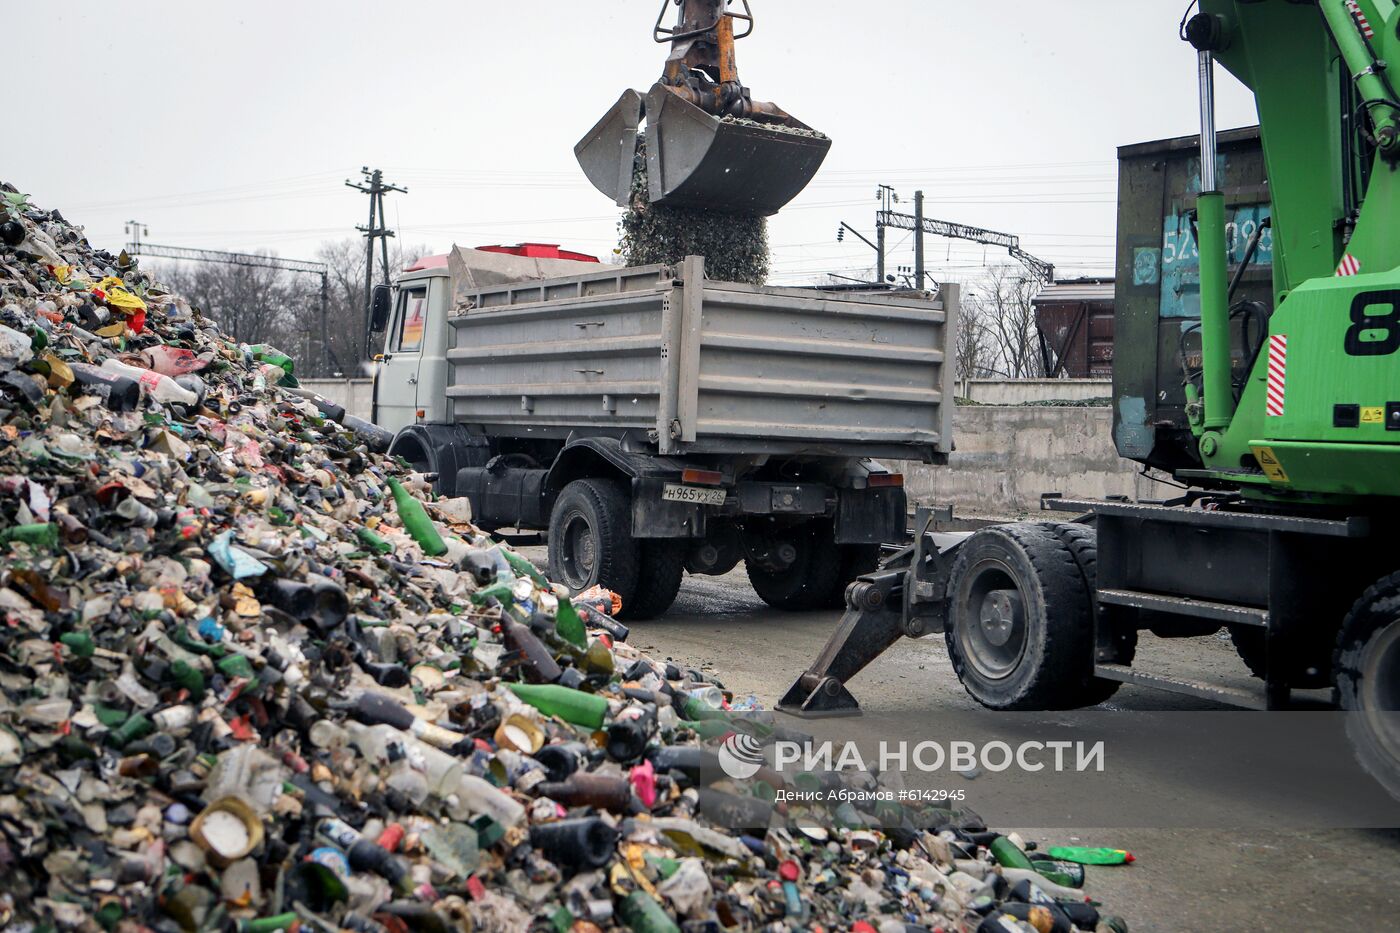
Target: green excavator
1287,435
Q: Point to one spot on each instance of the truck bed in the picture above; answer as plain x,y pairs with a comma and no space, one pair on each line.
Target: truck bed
663,356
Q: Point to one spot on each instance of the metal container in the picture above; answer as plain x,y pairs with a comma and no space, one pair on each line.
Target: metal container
662,356
1157,291
1074,320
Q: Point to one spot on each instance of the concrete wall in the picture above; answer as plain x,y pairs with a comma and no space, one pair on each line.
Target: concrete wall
1007,456
1020,391
351,394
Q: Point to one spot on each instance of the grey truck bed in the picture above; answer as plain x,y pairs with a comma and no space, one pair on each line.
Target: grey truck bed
670,358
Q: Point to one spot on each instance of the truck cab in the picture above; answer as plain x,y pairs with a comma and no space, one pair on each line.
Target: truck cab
411,371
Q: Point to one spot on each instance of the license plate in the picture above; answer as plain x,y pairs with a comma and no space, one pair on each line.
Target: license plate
675,492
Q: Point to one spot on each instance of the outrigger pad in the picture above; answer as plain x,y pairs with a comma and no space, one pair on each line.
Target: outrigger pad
738,167
872,622
607,152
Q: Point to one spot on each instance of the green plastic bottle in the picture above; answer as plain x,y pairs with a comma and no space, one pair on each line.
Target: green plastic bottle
1009,855
1091,856
416,521
642,913
575,706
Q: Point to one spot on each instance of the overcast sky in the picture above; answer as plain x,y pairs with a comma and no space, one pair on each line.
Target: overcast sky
234,125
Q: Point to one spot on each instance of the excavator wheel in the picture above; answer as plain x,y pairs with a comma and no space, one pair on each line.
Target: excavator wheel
1367,682
1308,665
1083,543
1020,632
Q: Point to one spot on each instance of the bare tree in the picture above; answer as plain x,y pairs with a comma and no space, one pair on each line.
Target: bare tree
259,305
346,311
1001,303
972,354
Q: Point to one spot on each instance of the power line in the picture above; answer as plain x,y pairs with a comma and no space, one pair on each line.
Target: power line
376,190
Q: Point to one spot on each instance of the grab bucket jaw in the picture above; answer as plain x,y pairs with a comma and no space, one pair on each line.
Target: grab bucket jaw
606,153
698,160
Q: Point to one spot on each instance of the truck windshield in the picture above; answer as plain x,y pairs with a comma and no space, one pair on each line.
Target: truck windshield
411,320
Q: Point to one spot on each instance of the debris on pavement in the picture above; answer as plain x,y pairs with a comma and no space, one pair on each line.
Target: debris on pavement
253,679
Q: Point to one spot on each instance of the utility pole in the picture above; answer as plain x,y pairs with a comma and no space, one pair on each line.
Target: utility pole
919,238
136,230
888,199
376,229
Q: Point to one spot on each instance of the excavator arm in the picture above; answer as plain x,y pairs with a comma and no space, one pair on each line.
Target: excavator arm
708,143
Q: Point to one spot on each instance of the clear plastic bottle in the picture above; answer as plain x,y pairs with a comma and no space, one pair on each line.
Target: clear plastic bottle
161,388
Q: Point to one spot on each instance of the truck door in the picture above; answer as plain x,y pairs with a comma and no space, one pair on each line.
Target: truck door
396,380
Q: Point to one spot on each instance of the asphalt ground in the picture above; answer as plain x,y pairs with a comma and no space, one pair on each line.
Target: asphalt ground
1208,878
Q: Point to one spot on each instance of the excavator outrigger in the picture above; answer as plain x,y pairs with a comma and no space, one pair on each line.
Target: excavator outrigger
709,144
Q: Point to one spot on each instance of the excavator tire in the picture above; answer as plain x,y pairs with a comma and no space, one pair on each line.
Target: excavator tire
1367,682
1020,632
1083,543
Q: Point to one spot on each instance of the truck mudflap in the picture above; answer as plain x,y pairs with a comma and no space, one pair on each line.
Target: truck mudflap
906,596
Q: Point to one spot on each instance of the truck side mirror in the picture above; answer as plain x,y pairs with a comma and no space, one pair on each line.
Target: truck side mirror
379,304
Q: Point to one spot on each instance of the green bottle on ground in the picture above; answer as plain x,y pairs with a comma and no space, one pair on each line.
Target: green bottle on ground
575,706
416,521
1009,855
1091,856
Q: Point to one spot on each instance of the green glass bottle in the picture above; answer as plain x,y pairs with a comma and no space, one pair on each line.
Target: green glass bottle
1009,855
189,677
372,541
416,521
524,568
501,592
43,534
80,643
135,727
569,625
575,706
643,914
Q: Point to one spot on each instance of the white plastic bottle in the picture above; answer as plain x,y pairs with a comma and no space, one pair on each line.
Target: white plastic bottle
161,388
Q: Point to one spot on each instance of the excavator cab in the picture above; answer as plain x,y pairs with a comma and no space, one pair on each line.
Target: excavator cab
708,144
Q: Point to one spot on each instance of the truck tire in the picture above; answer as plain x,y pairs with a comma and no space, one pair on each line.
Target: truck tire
808,581
590,539
1020,633
658,580
1367,682
1308,664
856,559
1083,543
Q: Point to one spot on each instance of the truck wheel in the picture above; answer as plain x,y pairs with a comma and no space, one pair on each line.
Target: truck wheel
590,538
1367,666
1019,627
658,580
1083,543
1308,665
807,582
856,559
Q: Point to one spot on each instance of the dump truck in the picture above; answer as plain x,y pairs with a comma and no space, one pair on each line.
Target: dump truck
653,421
